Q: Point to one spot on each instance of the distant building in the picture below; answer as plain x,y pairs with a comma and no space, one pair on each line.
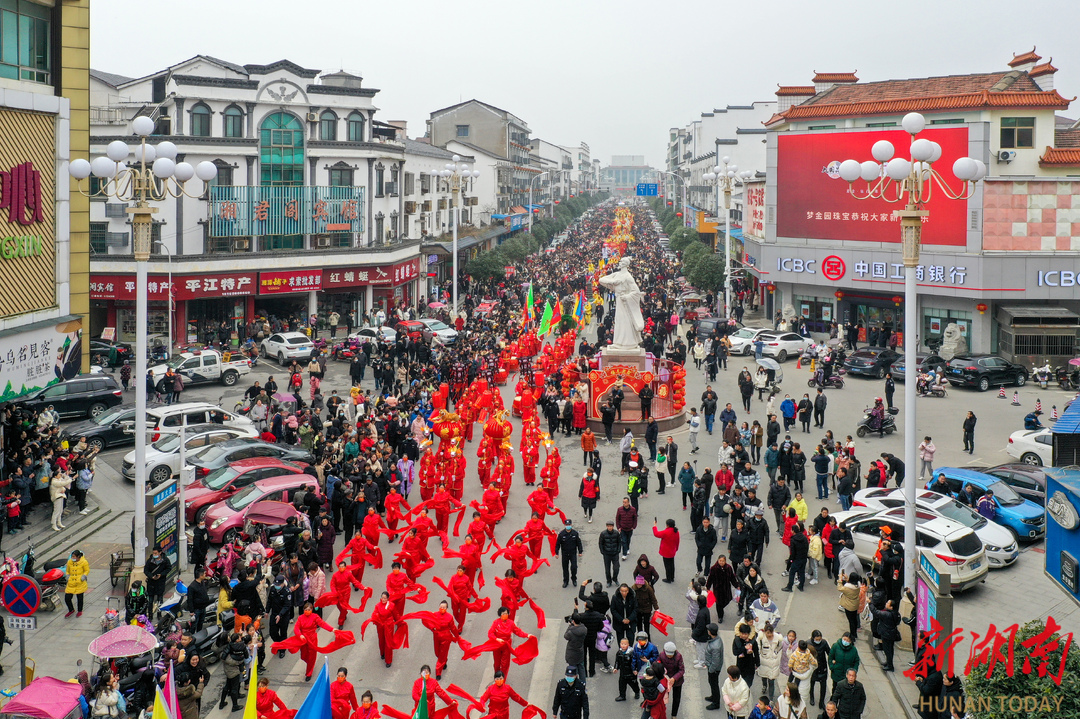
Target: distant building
624,173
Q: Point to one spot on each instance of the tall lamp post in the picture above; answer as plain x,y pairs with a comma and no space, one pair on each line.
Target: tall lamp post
154,176
911,182
682,180
530,208
727,177
455,173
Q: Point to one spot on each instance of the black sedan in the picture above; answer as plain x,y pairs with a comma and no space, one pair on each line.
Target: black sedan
1028,481
107,430
924,363
984,371
870,361
218,455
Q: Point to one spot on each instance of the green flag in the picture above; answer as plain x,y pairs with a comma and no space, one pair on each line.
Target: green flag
545,321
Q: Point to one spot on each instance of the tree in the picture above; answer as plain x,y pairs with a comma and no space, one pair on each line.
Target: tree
707,273
489,265
540,234
680,239
1019,690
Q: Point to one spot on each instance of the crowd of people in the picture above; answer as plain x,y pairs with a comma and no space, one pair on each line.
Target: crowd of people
380,491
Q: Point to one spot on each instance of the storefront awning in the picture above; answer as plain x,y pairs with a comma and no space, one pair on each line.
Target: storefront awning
499,217
536,207
519,210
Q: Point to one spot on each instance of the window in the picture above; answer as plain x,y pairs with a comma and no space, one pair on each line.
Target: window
24,41
1017,132
328,126
410,184
234,122
881,124
355,124
379,229
281,153
462,130
822,127
200,121
948,121
380,184
99,232
224,177
341,177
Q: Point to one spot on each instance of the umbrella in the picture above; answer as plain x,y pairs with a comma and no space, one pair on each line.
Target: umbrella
834,342
692,296
284,397
1075,361
436,305
127,640
769,363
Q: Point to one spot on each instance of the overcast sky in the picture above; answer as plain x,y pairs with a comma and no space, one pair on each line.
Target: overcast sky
617,75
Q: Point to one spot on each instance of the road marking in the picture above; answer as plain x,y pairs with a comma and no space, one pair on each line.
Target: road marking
542,666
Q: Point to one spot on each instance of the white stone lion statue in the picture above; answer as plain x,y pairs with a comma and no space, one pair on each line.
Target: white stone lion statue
953,342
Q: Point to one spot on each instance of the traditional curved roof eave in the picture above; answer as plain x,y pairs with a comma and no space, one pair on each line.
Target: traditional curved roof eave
1060,157
969,101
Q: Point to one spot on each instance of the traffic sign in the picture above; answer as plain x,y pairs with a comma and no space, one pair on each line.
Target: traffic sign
21,595
648,189
24,624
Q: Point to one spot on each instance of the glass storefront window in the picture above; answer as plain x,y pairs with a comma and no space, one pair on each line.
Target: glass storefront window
24,41
158,322
817,312
936,320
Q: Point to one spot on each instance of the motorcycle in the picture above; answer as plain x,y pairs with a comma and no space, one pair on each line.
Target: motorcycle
818,380
888,423
1068,377
251,352
1043,375
925,388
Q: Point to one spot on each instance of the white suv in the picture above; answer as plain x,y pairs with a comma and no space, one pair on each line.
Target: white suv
163,456
287,346
742,342
172,415
950,541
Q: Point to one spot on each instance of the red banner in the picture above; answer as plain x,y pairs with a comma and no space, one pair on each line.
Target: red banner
274,283
603,380
813,202
372,274
185,287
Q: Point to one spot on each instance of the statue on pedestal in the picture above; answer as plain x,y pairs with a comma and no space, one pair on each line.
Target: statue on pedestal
629,323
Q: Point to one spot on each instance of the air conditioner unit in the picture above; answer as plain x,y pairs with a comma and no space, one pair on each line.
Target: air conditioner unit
241,243
322,241
1006,156
410,207
312,117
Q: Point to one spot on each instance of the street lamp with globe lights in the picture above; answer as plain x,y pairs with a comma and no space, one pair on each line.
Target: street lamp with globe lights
727,177
912,182
455,172
153,176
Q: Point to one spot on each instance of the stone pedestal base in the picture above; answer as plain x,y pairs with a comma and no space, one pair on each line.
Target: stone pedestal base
631,406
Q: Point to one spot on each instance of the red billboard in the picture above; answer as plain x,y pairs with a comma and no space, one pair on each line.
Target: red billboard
813,202
185,287
274,283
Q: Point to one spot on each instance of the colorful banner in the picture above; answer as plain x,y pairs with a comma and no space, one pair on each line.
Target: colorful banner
275,283
38,357
241,211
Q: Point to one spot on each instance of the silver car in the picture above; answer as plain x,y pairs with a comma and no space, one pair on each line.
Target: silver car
287,346
438,331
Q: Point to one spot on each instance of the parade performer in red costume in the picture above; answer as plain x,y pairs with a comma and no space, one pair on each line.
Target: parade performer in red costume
392,633
305,639
501,644
369,708
518,554
469,553
372,526
341,584
398,586
463,597
426,685
268,704
444,632
342,696
414,556
541,503
361,552
397,509
444,503
497,698
535,530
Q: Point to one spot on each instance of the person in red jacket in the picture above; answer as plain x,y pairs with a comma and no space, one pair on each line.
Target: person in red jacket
445,632
307,626
580,410
342,696
589,492
462,594
398,585
498,696
431,687
385,617
268,704
470,554
669,545
371,525
397,508
518,554
340,592
414,556
360,552
512,592
503,630
535,530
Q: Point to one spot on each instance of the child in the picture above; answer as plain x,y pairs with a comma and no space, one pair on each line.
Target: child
815,554
624,664
762,710
14,518
661,466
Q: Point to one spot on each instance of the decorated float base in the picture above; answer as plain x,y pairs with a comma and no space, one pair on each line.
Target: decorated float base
635,369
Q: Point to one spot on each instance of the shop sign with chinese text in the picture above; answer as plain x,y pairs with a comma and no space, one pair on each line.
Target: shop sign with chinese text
372,275
272,283
34,358
240,211
185,287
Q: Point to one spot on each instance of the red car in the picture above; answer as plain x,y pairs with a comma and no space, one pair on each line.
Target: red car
414,328
226,481
225,519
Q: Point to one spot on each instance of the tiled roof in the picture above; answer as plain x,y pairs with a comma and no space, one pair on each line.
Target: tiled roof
799,90
835,77
1024,58
924,87
1069,156
1045,69
966,101
109,78
1067,138
239,69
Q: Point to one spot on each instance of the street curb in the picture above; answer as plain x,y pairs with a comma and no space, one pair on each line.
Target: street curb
893,679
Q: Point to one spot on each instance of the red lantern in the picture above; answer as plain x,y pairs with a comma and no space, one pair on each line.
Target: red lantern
897,299
771,287
444,390
678,214
981,307
839,295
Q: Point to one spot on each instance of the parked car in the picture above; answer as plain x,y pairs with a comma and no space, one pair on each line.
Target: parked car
1024,518
742,341
109,353
438,331
871,361
1032,446
706,326
381,336
163,456
984,371
225,518
413,328
86,395
782,345
287,346
220,455
924,363
1001,547
226,481
952,542
202,367
111,428
1028,480
172,415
